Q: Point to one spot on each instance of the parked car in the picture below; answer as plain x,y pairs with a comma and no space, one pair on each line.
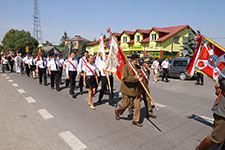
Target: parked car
178,68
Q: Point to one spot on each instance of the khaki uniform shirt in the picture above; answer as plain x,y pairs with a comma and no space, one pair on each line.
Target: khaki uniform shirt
129,85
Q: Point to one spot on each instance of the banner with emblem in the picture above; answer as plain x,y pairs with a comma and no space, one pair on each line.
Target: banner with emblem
116,60
211,60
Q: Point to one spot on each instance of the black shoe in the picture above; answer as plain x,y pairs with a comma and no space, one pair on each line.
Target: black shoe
152,116
137,124
111,104
58,89
74,96
100,101
81,92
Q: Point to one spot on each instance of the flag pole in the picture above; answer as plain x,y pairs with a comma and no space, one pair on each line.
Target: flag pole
153,102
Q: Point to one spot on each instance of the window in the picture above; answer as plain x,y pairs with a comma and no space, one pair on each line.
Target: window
153,37
176,39
176,63
138,38
184,63
185,40
125,39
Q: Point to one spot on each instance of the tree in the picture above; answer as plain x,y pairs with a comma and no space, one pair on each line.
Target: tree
189,45
63,39
18,40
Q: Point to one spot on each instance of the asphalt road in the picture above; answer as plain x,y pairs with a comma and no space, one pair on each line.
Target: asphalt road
183,120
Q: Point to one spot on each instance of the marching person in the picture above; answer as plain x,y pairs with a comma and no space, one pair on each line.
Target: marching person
103,76
146,74
71,71
26,61
5,64
82,62
218,134
67,75
155,67
61,61
130,89
32,67
10,60
110,87
20,63
53,70
17,65
41,69
90,79
165,68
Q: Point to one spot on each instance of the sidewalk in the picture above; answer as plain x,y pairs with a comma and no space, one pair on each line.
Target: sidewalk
21,127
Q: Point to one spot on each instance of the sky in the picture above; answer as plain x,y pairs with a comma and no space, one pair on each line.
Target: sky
90,18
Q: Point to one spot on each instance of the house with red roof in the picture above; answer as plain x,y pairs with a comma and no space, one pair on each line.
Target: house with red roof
154,42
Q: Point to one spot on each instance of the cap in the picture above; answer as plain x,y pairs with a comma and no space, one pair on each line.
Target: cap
134,56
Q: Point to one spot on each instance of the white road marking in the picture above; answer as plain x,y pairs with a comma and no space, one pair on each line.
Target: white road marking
208,119
30,99
7,77
15,85
21,91
72,140
10,81
4,75
45,114
160,105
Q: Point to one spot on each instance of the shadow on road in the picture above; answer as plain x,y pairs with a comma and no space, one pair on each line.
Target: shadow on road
200,119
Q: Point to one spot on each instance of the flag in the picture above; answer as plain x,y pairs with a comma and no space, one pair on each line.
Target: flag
191,66
100,59
211,60
116,60
39,54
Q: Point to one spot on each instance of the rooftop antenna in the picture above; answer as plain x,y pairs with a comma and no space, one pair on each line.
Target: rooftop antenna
37,33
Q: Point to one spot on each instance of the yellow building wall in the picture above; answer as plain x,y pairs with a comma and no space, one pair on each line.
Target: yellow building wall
153,46
124,46
135,38
169,44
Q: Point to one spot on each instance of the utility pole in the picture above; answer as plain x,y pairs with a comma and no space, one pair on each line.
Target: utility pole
37,33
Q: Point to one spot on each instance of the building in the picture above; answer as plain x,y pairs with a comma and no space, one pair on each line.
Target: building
76,44
155,42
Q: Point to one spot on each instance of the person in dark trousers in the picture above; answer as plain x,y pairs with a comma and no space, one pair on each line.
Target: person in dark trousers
41,69
165,68
53,70
61,61
200,79
82,62
26,61
71,71
11,61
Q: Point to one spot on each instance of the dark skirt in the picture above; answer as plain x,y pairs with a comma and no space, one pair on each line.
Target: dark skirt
32,68
91,82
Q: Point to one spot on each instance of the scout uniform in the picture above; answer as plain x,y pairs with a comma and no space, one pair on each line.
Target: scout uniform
145,74
71,71
130,89
26,62
41,66
81,65
218,134
61,61
53,67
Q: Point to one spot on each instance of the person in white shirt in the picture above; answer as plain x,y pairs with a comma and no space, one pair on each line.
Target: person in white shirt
32,66
53,70
71,71
90,79
155,67
25,64
67,82
82,62
16,61
41,69
5,63
61,61
165,68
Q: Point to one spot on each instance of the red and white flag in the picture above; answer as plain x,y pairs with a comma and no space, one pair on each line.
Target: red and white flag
211,60
116,60
191,66
39,54
100,59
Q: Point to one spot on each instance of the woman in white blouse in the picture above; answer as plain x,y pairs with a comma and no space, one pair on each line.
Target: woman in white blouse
90,79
